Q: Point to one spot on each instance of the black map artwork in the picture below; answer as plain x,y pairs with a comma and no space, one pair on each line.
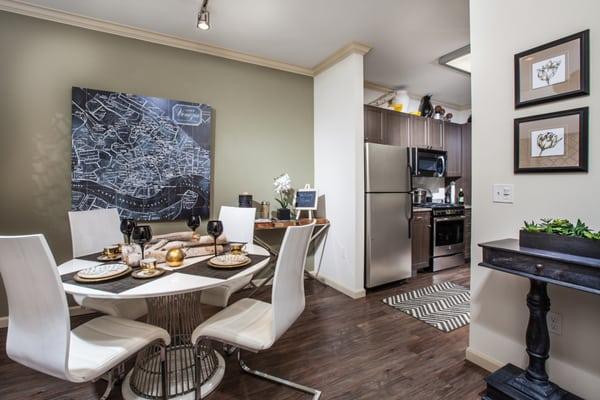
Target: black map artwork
149,157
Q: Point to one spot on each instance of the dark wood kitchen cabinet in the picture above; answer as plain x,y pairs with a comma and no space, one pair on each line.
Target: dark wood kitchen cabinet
421,240
453,140
418,131
375,124
426,133
397,128
465,178
435,134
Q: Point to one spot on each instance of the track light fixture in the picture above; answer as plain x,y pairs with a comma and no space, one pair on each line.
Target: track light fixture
204,17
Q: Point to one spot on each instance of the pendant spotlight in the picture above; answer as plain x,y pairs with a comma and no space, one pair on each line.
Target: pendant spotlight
204,17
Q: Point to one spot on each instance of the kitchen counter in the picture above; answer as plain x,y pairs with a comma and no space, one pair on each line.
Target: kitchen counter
425,209
421,209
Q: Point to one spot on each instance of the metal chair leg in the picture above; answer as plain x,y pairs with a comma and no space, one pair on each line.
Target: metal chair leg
316,394
110,385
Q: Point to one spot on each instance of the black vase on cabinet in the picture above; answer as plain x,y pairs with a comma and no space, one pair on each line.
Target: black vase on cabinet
425,107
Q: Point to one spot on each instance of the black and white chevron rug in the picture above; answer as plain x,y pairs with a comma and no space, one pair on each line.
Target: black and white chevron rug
445,306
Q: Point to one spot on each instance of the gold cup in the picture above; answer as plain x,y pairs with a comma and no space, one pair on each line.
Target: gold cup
111,251
174,257
237,248
148,263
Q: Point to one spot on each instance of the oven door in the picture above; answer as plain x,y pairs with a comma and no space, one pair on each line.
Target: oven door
448,235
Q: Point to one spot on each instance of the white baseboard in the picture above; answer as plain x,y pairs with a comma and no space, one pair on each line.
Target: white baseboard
355,294
73,311
483,360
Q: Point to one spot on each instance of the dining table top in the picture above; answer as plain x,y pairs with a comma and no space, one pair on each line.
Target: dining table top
174,281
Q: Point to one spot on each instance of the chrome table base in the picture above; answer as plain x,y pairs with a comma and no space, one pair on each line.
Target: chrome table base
179,315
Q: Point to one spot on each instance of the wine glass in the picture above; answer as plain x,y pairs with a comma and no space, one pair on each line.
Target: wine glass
141,235
214,229
127,226
193,223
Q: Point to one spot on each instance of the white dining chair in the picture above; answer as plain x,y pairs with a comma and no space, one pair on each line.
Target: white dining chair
91,231
238,226
254,325
39,329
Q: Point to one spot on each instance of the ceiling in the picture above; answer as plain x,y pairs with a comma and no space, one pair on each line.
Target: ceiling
407,37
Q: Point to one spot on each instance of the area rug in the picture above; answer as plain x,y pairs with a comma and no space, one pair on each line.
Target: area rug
445,306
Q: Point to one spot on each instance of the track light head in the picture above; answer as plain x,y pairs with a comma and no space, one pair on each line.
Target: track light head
204,19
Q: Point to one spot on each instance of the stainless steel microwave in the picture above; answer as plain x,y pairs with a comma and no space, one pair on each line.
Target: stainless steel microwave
427,162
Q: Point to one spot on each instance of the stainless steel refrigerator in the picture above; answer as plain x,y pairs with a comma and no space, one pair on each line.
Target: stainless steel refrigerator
388,211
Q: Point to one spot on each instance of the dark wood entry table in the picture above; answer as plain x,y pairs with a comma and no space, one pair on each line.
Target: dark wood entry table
540,267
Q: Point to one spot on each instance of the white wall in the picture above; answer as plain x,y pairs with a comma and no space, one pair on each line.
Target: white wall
339,171
499,29
460,115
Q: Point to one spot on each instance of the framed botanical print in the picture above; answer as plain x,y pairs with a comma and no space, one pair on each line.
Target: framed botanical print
553,71
554,142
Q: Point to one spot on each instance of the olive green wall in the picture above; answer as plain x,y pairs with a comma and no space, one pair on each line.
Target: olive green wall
262,122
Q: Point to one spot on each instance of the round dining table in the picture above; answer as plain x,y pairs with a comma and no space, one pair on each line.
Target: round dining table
173,301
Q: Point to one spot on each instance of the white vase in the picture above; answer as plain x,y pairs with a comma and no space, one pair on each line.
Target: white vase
401,100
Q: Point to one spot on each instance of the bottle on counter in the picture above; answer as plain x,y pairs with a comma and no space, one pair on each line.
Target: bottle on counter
461,196
452,193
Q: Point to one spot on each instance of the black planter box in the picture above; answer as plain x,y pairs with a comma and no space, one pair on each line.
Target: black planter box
573,245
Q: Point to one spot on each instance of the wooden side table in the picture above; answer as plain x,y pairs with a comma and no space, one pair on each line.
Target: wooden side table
540,267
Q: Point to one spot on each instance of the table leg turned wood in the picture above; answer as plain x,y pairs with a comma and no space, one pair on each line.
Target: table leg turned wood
511,382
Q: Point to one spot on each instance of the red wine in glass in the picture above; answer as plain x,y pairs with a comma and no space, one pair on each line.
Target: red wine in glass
215,229
127,226
141,235
193,223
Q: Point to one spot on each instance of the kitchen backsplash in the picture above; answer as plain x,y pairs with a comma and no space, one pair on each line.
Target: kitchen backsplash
433,184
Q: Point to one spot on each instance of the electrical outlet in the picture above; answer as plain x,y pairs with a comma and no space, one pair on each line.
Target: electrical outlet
555,323
503,193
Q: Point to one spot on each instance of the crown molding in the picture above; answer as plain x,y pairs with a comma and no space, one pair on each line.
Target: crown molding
351,48
63,17
31,10
378,87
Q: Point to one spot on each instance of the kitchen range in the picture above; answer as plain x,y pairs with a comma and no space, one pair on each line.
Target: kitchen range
448,235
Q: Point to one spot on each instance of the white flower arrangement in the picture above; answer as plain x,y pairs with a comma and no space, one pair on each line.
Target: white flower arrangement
283,189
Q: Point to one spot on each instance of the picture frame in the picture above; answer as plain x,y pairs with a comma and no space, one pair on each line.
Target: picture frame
552,142
553,71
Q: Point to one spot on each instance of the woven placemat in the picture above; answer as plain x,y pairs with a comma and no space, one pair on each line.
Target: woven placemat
202,268
118,285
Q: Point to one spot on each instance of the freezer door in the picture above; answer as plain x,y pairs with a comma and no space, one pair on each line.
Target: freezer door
386,168
388,245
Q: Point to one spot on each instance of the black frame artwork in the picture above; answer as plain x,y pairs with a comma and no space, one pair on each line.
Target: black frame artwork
583,114
584,70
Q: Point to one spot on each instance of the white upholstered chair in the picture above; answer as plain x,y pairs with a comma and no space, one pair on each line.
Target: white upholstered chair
91,231
254,325
238,226
39,329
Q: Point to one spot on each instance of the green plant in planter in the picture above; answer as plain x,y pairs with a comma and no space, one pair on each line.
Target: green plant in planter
563,227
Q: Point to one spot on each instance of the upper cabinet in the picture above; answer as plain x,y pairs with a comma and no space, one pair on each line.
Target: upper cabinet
397,128
454,144
435,133
418,132
374,124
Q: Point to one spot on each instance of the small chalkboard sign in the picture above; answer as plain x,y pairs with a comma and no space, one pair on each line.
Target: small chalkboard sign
306,199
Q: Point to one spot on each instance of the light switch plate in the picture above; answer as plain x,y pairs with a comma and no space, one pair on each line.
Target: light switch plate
503,193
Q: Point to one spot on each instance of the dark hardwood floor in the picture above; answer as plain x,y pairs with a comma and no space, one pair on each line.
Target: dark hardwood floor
349,349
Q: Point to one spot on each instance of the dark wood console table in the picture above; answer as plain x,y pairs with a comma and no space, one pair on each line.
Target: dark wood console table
540,267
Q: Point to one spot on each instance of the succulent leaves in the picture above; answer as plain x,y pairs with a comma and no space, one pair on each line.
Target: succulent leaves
561,226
